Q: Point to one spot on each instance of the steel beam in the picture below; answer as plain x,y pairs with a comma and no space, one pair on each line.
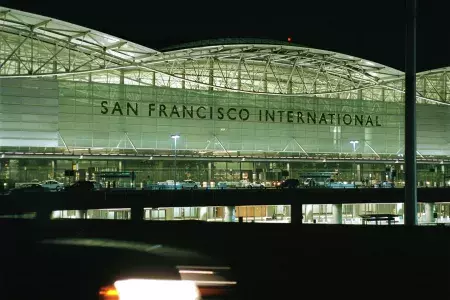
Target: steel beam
13,51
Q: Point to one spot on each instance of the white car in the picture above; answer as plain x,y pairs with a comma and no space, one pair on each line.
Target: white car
189,184
53,185
255,184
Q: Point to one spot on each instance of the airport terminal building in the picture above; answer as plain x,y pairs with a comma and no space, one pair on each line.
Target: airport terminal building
72,98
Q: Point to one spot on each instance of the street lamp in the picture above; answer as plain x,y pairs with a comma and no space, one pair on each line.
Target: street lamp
354,143
175,137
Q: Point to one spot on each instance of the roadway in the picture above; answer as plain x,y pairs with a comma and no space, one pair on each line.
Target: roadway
281,261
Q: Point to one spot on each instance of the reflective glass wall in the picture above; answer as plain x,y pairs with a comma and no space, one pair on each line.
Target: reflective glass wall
72,115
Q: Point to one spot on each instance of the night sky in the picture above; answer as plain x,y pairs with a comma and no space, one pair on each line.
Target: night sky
372,30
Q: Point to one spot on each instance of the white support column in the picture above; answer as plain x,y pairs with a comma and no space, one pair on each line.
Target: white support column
229,213
203,213
183,75
358,173
57,214
169,213
265,81
122,95
54,169
211,214
110,215
55,62
429,212
239,76
308,213
399,209
337,213
211,74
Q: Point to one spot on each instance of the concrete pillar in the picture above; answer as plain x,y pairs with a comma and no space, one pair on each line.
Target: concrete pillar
120,166
203,213
137,214
169,213
44,214
296,213
429,212
336,213
229,213
358,172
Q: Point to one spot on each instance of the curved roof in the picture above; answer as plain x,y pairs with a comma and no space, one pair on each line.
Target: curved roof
37,46
227,41
30,40
286,68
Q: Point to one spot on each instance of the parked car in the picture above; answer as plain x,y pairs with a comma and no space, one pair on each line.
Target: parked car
189,184
29,188
222,185
84,186
289,184
255,184
384,184
53,185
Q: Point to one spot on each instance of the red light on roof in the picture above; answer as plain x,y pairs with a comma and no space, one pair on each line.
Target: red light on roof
289,39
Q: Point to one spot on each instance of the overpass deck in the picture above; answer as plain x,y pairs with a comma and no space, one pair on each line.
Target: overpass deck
45,203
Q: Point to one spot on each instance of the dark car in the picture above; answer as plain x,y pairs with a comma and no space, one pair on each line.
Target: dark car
29,188
289,184
84,186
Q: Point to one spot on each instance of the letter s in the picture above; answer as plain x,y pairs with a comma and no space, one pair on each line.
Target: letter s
104,107
220,111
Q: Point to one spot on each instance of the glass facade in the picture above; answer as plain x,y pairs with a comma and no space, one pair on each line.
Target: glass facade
312,214
14,171
69,115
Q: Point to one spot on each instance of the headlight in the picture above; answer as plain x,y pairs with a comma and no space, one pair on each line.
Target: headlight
143,289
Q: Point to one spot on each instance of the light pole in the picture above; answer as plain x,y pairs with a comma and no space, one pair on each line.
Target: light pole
354,143
175,137
410,207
